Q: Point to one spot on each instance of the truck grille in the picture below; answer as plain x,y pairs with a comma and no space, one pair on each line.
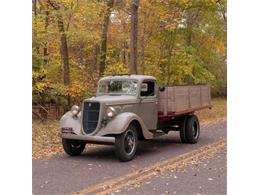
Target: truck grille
90,116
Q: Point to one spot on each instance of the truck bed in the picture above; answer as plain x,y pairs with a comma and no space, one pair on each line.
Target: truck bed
180,100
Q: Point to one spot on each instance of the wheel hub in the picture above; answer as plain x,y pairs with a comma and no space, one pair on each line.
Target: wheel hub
129,143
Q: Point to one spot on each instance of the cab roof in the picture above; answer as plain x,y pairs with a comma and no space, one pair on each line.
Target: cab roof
129,76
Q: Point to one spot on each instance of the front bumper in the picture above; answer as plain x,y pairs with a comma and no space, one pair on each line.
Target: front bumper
90,139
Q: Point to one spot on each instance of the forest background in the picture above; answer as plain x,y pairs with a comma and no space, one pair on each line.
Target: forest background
75,42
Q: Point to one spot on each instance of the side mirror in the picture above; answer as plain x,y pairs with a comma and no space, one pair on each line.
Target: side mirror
162,88
144,87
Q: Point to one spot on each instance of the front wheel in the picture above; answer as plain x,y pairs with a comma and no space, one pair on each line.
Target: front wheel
126,144
73,147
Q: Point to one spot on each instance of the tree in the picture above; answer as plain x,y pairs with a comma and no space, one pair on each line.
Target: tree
103,50
64,47
76,42
45,49
35,4
133,36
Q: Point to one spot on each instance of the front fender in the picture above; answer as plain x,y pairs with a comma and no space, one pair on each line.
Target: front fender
120,123
70,123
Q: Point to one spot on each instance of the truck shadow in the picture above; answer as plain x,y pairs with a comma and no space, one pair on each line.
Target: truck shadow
145,148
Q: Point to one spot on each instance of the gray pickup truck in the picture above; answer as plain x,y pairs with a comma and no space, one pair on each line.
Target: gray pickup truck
129,108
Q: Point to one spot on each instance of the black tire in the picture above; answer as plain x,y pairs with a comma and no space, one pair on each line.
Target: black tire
126,144
73,147
192,129
183,130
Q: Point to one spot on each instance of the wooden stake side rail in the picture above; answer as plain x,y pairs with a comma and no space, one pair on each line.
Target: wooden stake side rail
171,115
179,100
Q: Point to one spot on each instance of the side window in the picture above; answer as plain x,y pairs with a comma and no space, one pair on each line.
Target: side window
147,88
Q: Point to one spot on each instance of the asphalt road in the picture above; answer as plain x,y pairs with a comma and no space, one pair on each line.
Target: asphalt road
162,166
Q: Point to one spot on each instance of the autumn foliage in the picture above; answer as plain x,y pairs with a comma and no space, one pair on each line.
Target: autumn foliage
178,42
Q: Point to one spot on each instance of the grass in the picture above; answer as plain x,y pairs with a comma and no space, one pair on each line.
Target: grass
46,136
218,111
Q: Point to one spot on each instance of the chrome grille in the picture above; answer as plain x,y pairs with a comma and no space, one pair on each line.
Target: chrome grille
90,116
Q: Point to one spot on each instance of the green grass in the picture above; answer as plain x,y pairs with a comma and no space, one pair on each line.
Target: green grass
218,111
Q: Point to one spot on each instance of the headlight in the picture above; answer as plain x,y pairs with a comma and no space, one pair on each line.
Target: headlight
75,110
110,112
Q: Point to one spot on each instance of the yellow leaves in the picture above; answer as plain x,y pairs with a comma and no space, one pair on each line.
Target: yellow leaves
162,41
212,42
39,82
117,68
35,75
77,89
171,27
39,87
220,46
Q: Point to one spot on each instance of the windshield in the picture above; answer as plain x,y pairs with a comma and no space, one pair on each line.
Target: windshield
117,87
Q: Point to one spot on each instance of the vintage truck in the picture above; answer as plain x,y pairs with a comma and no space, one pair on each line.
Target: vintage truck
129,108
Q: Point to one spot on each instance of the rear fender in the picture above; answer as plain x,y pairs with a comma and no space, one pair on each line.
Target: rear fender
120,123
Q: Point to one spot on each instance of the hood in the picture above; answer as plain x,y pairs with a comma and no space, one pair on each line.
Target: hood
114,100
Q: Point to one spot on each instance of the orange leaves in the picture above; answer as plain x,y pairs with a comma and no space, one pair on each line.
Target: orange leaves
77,89
46,139
214,43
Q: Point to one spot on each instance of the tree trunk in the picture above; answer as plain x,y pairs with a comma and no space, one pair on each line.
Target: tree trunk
45,49
64,56
169,49
170,55
124,53
189,40
64,51
95,57
143,44
103,49
64,48
35,24
133,36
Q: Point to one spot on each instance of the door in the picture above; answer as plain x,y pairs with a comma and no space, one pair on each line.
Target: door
148,106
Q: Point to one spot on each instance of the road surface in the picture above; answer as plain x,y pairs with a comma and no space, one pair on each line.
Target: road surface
162,166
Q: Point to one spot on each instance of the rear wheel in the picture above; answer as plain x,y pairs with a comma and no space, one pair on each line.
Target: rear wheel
126,144
183,130
192,129
73,147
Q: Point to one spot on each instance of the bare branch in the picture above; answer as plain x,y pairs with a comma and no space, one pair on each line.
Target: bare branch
53,5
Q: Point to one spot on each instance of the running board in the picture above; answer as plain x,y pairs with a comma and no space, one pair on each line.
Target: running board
158,133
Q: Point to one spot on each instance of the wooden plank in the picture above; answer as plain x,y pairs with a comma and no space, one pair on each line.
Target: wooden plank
182,99
195,96
179,99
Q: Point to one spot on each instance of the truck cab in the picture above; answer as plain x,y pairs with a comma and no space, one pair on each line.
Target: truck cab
124,110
